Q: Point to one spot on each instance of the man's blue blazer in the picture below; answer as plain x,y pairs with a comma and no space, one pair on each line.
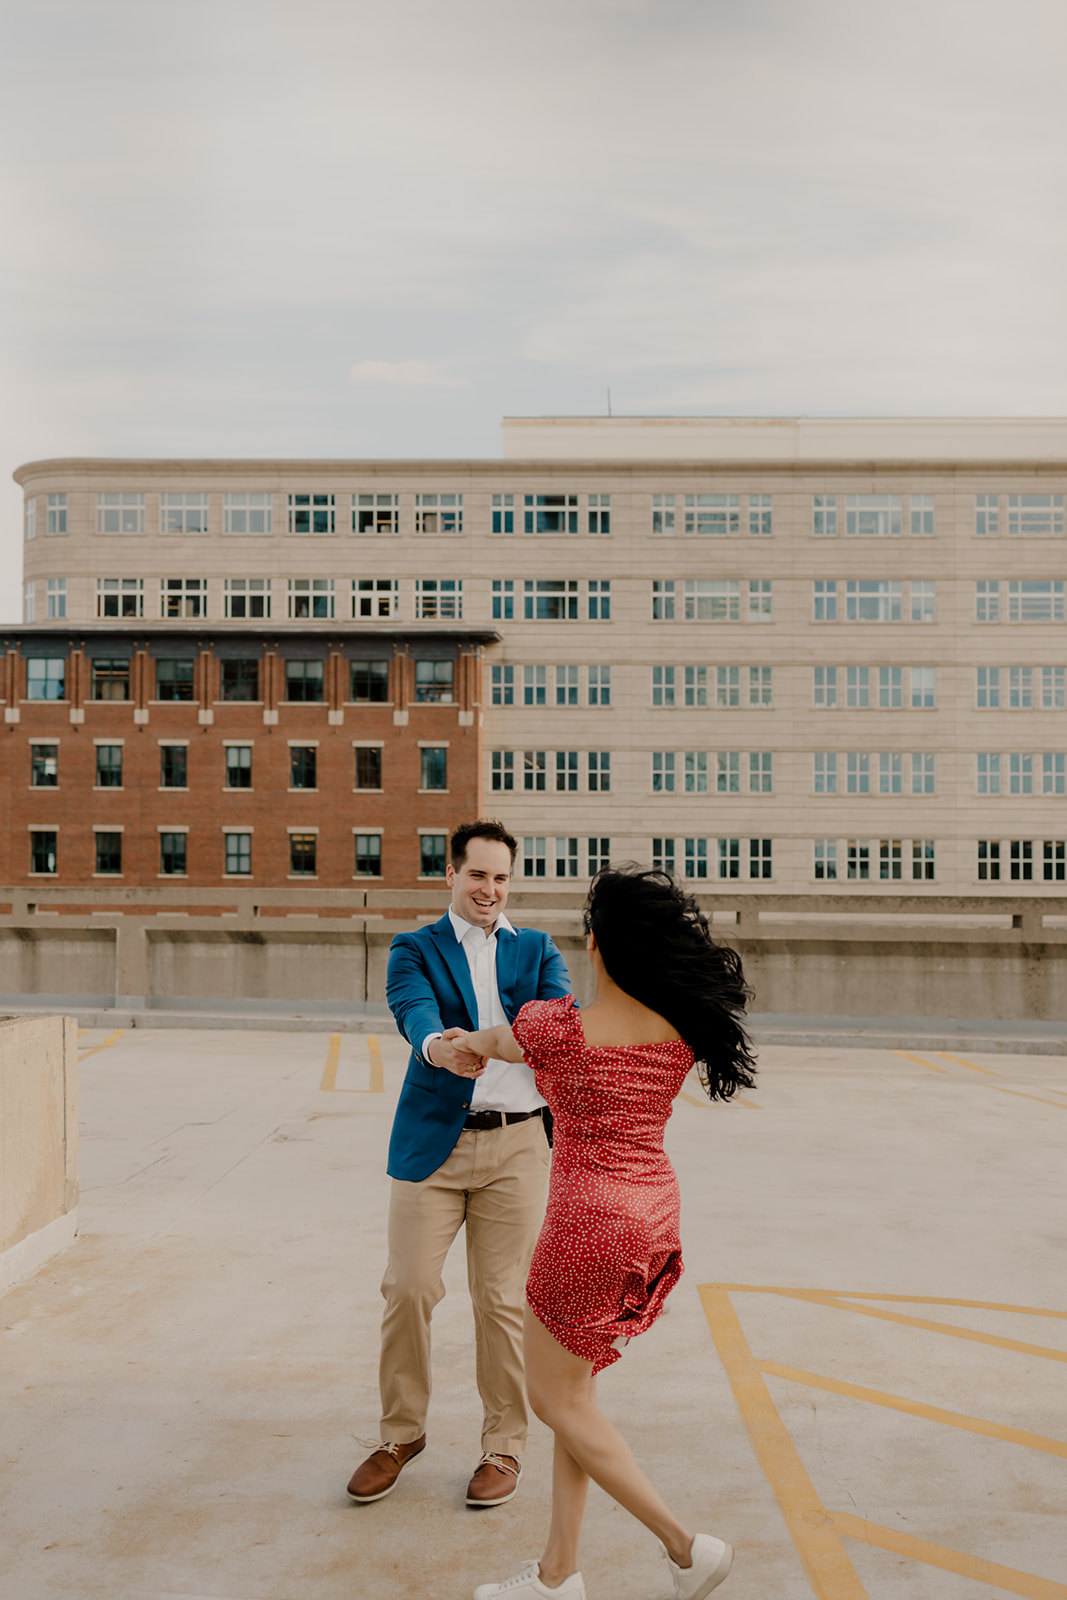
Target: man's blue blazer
429,989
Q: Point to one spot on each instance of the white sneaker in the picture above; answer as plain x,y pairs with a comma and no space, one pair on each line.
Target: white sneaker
712,1559
526,1584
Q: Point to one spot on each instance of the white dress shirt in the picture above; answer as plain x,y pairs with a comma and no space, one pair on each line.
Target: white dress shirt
504,1085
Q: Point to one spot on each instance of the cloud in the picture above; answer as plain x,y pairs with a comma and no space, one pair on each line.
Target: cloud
405,374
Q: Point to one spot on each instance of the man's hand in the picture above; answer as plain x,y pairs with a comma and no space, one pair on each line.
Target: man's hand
447,1053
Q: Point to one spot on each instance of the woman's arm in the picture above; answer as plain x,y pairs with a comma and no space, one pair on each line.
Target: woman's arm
499,1042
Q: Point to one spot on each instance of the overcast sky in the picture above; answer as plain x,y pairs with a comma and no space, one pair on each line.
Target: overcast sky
341,227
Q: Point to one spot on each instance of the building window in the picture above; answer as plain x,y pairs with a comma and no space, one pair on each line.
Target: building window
858,687
825,687
245,597
503,771
303,765
183,597
890,861
503,599
599,686
695,858
108,852
57,598
663,855
727,687
872,516
174,766
923,688
311,599
533,771
599,599
172,855
728,772
825,859
534,690
824,516
921,507
923,772
311,513
31,518
988,773
439,599
695,685
43,850
857,772
1021,860
760,508
1020,774
29,604
432,851
599,771
238,766
57,513
760,858
567,858
696,772
729,858
368,766
302,855
712,514
712,600
502,686
566,772
376,514
663,772
183,513
1053,773
109,766
46,678
988,688
598,855
533,857
760,772
439,513
986,515
663,600
987,600
922,860
760,600
503,513
988,860
890,688
1035,600
238,856
304,680
923,600
433,767
120,597
375,597
1054,860
433,682
119,513
858,859
566,686
174,679
239,680
368,855
1021,688
824,600
370,681
109,678
825,772
550,513
761,686
873,600
663,686
246,513
662,515
44,766
600,513
1037,516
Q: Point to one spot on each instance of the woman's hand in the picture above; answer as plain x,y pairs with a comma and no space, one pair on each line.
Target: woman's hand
452,1054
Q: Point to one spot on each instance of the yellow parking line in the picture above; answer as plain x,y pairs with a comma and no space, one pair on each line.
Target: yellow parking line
915,1408
377,1070
333,1055
815,1297
922,1063
935,1555
82,1031
906,1299
960,1062
110,1040
1039,1098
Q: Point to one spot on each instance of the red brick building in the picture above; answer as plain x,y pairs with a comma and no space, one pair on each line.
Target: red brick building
210,756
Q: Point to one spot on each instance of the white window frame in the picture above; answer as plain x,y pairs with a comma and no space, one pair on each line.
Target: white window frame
248,507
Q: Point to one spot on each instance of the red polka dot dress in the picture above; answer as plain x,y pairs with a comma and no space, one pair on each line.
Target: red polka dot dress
609,1251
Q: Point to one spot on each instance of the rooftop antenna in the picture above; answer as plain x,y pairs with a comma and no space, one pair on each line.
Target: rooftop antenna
609,402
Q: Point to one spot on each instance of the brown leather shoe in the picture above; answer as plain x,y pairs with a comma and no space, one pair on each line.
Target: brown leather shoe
495,1481
376,1477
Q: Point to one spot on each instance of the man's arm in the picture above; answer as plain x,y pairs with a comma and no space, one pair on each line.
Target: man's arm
553,979
417,1013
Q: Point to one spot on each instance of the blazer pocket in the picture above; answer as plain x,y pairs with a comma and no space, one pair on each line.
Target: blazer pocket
423,1076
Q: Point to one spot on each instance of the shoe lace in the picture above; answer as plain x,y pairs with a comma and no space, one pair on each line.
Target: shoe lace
490,1458
376,1447
521,1576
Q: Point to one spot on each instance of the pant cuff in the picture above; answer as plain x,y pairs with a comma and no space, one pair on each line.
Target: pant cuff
505,1447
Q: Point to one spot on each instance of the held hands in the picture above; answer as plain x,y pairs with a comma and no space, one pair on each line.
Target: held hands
451,1053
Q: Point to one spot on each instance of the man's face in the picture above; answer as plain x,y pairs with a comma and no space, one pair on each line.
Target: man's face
480,886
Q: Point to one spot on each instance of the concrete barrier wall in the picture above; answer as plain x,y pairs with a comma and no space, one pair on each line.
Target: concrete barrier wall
43,960
38,1142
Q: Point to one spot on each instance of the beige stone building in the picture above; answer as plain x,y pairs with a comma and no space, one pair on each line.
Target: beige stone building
799,654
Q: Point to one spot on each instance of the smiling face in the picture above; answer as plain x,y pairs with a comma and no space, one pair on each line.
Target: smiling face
480,885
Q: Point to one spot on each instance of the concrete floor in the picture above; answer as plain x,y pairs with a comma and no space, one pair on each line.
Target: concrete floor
180,1393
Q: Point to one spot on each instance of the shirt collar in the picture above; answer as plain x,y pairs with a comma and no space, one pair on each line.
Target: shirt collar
461,927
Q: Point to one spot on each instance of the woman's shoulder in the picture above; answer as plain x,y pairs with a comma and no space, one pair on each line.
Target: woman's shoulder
544,1024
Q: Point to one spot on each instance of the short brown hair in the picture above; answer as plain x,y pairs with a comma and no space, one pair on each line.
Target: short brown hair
484,828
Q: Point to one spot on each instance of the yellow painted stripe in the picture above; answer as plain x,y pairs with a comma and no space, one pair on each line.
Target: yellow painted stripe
1023,1096
932,1066
826,1563
83,1031
377,1070
935,1555
904,1299
929,1327
973,1066
110,1040
333,1055
915,1408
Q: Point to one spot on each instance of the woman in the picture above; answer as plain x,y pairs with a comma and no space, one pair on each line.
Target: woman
609,1253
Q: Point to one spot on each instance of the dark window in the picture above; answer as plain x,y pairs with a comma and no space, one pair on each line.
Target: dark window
46,678
172,853
302,765
173,766
110,678
368,767
434,767
239,853
44,765
238,766
43,850
370,680
432,851
433,682
302,854
303,680
368,855
108,852
109,766
240,680
174,680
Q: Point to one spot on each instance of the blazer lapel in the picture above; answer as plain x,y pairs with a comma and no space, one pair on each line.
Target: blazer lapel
507,965
456,961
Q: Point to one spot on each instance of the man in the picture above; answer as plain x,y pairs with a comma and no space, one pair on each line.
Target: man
468,1148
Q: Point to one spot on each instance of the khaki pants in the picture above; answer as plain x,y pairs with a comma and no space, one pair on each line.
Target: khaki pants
494,1182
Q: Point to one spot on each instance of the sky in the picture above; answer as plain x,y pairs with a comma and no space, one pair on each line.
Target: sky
338,227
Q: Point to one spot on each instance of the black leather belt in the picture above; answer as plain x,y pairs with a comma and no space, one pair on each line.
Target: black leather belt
479,1121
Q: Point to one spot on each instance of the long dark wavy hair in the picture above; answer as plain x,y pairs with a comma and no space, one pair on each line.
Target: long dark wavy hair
656,944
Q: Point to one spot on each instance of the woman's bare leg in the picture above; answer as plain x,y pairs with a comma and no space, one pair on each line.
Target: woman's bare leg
563,1395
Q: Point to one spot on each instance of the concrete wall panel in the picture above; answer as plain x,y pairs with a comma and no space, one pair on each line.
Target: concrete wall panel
57,961
250,966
